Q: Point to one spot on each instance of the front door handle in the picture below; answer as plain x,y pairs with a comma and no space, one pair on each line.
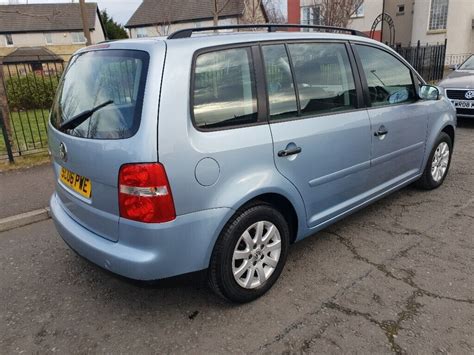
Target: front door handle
381,132
289,151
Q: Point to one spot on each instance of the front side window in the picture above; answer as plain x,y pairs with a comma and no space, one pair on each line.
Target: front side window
280,89
389,80
324,77
109,82
78,37
224,92
438,15
9,39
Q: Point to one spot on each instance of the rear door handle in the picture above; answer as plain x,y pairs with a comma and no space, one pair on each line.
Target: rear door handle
381,132
289,151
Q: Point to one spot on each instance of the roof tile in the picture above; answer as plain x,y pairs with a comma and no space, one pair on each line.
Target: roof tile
44,17
155,12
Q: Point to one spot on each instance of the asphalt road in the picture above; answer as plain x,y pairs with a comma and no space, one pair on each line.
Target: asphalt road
396,277
24,190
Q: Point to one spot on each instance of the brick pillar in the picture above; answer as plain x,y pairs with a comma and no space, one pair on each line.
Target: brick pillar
294,11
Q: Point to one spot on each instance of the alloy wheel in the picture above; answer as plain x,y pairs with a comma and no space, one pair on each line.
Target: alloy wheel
440,162
256,254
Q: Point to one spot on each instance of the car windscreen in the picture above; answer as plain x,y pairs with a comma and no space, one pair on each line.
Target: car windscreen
468,64
100,95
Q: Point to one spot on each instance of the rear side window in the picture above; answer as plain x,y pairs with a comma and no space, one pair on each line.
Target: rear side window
109,82
324,77
281,92
224,92
388,79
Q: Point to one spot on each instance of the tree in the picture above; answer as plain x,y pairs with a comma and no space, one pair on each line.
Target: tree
112,28
218,6
164,29
335,12
274,12
253,11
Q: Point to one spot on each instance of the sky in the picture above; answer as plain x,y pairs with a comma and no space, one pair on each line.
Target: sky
120,10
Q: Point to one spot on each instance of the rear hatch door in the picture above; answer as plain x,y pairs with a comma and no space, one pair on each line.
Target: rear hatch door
104,115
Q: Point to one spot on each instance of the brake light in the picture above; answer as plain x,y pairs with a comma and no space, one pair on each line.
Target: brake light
145,194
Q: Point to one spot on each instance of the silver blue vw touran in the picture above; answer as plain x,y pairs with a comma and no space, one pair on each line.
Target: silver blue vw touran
217,151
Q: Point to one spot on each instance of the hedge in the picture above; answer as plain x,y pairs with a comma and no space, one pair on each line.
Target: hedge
31,91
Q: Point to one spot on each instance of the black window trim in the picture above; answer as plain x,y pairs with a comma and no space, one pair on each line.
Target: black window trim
363,77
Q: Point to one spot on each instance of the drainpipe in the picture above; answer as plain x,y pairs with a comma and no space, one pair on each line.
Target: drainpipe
383,14
294,11
85,23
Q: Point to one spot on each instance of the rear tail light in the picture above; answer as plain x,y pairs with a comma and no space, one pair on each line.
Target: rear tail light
145,194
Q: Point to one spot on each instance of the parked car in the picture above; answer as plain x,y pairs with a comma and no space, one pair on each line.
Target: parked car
459,87
179,154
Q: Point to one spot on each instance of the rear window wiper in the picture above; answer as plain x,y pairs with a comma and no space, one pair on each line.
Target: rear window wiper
81,117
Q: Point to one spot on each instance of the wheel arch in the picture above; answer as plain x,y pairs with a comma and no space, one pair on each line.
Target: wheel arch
280,203
449,130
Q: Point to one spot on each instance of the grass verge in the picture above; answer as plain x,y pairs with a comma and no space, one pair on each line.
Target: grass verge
29,133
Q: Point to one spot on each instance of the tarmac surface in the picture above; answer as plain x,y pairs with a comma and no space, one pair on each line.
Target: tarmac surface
25,190
396,277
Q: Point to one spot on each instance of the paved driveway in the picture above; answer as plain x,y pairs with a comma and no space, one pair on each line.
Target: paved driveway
396,277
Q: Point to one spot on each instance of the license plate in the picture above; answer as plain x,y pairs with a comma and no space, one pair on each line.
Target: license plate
76,182
463,103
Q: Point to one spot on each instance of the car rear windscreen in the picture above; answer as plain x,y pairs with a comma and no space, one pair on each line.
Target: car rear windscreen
101,94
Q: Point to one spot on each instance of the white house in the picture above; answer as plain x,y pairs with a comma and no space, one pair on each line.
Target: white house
408,21
58,27
161,17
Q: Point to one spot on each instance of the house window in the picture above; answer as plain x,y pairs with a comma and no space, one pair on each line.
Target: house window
359,12
48,38
311,15
9,39
37,67
141,32
438,15
400,9
78,37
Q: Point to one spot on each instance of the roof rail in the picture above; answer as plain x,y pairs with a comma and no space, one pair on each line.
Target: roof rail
271,27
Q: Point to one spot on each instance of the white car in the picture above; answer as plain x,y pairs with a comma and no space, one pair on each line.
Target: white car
459,88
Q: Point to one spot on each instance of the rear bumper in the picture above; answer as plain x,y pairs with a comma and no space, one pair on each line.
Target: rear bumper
146,251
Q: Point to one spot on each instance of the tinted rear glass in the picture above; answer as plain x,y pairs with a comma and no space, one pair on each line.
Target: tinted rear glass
112,78
324,77
224,89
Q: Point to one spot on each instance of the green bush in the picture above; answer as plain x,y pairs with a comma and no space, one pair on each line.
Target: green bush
31,91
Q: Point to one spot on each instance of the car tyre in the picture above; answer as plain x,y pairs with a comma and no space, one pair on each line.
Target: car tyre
250,253
438,163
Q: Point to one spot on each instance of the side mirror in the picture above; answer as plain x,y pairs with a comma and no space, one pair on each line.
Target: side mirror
429,92
453,66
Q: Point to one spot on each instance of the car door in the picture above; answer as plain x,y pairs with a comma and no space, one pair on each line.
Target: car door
321,135
398,119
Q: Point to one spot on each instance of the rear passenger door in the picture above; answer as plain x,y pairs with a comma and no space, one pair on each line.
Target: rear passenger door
321,133
398,119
